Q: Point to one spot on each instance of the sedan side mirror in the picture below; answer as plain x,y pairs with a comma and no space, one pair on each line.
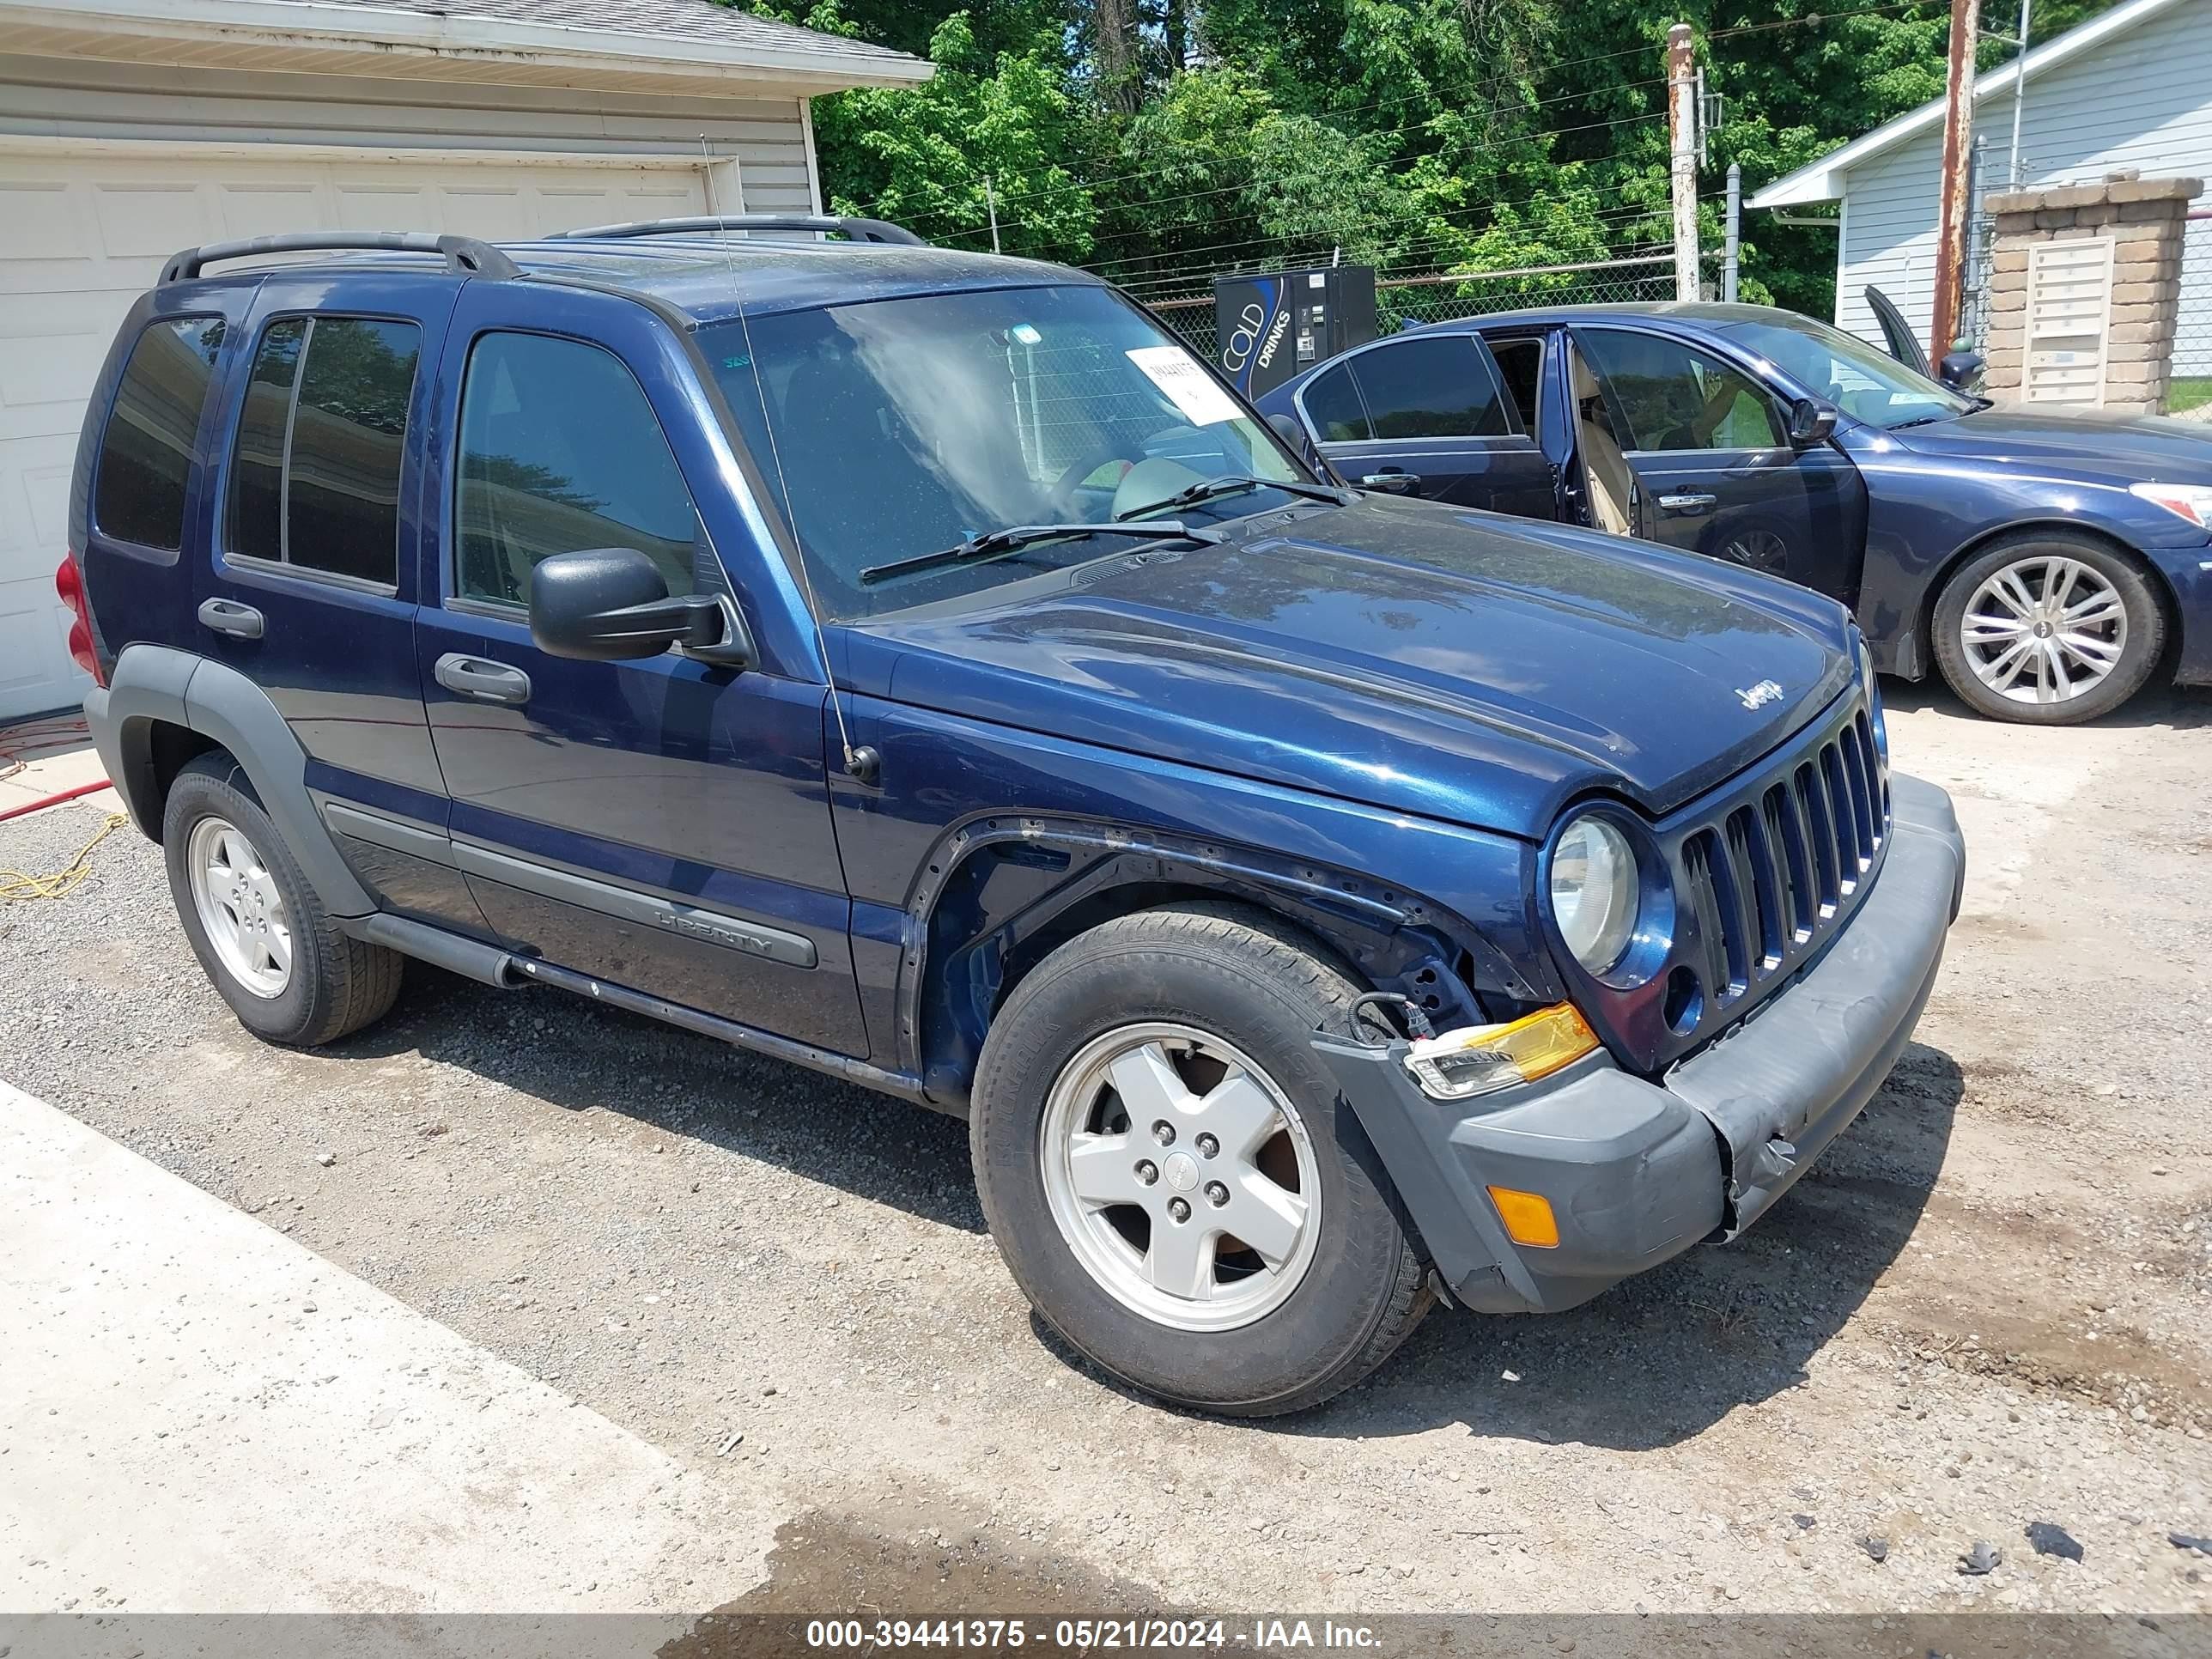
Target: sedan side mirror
612,605
1811,421
1961,371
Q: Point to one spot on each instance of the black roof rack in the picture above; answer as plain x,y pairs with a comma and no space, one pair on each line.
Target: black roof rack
859,230
463,254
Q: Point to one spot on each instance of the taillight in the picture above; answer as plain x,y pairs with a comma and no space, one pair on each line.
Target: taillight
69,582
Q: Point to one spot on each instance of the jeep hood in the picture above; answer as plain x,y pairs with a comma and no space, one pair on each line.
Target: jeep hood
1420,659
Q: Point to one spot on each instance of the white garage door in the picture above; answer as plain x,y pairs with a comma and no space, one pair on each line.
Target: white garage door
83,235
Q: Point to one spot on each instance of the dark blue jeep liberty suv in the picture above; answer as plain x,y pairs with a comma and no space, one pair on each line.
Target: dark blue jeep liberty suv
917,666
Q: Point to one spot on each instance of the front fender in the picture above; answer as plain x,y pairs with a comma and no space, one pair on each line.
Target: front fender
951,885
1923,521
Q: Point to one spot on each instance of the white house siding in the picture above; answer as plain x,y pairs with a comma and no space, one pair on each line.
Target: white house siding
100,101
108,168
2141,100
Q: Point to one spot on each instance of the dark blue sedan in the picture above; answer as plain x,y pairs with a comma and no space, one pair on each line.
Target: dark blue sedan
2049,564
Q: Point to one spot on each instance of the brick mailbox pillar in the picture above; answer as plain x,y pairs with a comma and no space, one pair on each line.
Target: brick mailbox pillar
2085,288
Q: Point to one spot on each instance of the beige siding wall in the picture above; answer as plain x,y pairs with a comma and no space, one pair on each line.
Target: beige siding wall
45,97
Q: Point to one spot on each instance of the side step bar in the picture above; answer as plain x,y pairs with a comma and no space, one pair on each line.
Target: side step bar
485,964
489,965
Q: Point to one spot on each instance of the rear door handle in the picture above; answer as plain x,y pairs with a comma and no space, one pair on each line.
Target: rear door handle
1391,479
1692,501
481,680
241,622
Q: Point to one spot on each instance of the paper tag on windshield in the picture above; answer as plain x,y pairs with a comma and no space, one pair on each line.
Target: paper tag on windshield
1189,387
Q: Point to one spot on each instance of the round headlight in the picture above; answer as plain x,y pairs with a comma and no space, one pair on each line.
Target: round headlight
1594,891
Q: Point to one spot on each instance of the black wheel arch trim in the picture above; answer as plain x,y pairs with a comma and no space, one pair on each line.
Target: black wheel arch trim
157,684
1392,937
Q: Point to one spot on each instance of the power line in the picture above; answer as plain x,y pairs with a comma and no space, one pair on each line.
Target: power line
1140,203
1335,114
1353,224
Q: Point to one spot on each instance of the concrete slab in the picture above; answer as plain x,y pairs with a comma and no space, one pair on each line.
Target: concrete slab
198,1414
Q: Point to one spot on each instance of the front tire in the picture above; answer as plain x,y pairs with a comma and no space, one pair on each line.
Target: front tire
260,933
2048,630
1147,1091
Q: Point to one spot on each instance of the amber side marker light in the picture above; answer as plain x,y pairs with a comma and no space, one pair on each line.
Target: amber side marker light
1475,1059
1527,1218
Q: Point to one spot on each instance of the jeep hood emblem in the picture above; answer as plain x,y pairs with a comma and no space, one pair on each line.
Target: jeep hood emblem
1758,696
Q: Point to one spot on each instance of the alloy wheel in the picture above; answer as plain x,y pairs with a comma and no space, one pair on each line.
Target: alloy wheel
2045,629
1181,1177
240,907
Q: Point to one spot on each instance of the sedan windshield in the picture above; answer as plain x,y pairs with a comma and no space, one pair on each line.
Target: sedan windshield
906,428
1863,381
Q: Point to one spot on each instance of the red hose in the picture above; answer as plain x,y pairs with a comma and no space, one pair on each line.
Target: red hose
55,800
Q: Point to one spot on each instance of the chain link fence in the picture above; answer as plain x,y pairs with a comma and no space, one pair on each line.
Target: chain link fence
2190,392
1406,301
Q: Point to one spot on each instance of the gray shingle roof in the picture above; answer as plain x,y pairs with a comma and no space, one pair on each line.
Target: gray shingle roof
699,22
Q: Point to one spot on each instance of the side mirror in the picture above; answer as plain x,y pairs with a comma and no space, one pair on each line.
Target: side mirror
612,605
1961,371
1811,421
1290,432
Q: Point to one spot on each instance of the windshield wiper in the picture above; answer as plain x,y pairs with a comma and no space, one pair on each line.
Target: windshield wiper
1230,483
1021,535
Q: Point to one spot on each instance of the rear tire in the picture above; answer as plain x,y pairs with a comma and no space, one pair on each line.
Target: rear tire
257,927
2046,628
1199,1018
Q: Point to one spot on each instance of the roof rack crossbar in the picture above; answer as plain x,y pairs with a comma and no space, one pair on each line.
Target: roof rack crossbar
465,255
859,230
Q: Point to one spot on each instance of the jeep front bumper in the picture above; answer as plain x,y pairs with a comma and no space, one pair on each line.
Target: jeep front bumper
1637,1171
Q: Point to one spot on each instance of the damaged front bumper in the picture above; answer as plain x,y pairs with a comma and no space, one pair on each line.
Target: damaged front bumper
1636,1171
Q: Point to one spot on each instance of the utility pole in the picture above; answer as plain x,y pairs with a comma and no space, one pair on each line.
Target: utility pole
1957,148
1734,246
2019,95
991,201
1682,129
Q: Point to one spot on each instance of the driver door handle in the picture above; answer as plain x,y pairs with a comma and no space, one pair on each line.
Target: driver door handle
1692,501
481,680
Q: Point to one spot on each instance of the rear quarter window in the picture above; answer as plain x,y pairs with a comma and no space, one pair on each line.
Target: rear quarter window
321,446
145,465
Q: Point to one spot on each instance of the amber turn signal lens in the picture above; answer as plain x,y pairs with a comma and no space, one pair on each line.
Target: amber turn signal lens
1527,1218
1477,1059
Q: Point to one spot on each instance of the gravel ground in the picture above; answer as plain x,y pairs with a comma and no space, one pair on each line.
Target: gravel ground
1987,1306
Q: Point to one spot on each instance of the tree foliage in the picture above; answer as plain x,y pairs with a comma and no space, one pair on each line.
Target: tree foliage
1161,140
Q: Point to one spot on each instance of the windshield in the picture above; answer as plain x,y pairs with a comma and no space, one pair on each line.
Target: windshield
1863,381
906,426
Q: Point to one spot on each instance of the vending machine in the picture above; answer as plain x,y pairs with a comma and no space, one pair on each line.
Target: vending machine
1270,326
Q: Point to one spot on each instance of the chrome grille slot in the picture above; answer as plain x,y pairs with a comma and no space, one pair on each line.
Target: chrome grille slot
1843,821
1785,833
1819,833
1757,875
1702,885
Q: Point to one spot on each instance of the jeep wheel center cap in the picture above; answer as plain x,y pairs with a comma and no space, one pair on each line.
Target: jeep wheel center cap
1180,1169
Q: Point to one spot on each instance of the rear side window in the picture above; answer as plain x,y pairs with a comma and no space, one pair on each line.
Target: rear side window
145,463
1334,407
321,441
560,451
1521,363
1430,388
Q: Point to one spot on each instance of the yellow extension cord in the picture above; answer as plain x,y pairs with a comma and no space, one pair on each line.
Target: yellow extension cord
15,884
